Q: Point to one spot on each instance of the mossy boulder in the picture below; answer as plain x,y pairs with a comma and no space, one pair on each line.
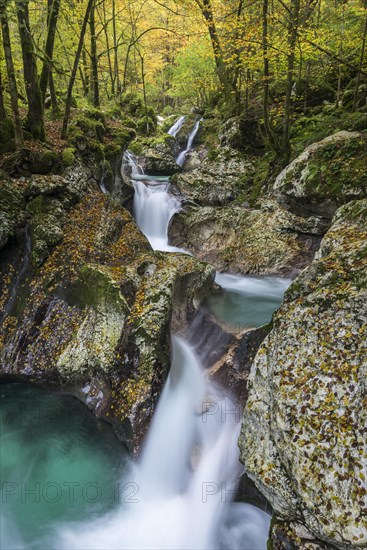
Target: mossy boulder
96,315
26,162
159,158
325,176
224,176
303,438
242,240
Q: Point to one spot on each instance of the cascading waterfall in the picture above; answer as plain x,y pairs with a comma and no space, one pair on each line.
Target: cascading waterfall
177,126
185,479
153,205
182,156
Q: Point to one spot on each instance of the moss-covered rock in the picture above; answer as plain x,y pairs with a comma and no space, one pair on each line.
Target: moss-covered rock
242,240
325,176
304,432
223,177
96,315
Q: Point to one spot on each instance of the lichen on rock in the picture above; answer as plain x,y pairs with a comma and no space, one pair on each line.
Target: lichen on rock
304,432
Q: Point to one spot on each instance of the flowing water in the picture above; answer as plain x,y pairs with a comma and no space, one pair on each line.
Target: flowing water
176,127
246,302
182,156
154,205
180,494
185,480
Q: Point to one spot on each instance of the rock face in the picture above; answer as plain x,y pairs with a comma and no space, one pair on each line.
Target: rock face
93,315
243,240
304,432
159,159
218,180
325,176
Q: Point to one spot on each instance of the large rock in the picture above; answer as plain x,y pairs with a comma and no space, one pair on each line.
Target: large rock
304,432
243,240
325,176
160,159
219,180
12,206
94,319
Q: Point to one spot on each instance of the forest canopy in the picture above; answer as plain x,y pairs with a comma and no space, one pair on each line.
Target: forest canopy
267,59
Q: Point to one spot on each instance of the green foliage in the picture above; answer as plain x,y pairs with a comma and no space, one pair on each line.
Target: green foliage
193,76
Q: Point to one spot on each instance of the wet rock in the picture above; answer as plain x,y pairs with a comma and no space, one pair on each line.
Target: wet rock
243,240
303,438
219,180
12,205
160,159
233,368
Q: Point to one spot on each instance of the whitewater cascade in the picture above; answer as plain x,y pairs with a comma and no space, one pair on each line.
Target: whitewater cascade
185,480
177,126
153,205
182,156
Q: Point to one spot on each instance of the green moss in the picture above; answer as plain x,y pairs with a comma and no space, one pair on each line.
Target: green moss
68,156
338,166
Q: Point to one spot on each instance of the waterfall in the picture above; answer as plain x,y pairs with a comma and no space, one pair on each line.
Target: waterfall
153,209
131,165
153,205
182,156
176,127
185,480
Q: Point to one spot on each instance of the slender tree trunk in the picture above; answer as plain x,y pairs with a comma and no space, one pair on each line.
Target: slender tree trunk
268,131
12,83
222,70
117,83
144,91
292,40
35,117
360,65
75,69
86,79
53,13
2,106
54,101
107,38
94,58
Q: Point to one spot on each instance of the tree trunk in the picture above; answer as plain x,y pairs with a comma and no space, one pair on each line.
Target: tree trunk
117,83
292,40
54,102
85,79
107,38
12,83
35,119
360,66
94,58
65,123
268,131
2,106
222,70
53,13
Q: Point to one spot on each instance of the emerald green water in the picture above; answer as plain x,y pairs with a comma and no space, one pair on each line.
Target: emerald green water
246,302
57,464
